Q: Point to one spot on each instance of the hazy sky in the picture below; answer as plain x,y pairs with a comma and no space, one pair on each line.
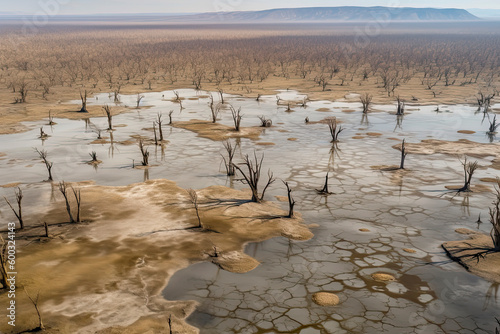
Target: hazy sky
166,6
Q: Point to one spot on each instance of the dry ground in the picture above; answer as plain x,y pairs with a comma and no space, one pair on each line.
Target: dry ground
424,64
106,274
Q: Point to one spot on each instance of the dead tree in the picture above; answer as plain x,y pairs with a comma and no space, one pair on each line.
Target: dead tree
138,100
198,77
23,92
154,131
98,132
431,83
404,153
78,199
436,93
35,304
194,199
303,104
469,169
221,93
324,190
159,121
51,119
323,82
43,135
366,100
116,94
144,153
484,100
63,188
401,107
107,110
236,117
334,129
43,156
252,176
265,123
493,126
177,97
228,163
83,97
214,109
170,117
291,201
19,212
495,220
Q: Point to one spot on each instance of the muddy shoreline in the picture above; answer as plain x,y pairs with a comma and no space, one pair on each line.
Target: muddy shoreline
123,257
466,253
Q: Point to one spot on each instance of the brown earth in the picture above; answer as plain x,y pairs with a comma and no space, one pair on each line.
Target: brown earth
218,132
106,274
463,252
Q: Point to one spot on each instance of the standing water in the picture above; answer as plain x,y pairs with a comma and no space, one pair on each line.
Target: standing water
373,222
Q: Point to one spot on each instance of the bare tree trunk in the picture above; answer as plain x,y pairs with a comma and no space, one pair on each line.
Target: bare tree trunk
469,169
51,119
19,212
291,201
177,97
139,99
366,100
493,126
107,110
236,117
23,91
221,93
48,165
495,220
253,175
401,106
78,198
83,97
214,109
144,152
64,191
154,130
160,130
403,155
43,135
334,130
324,191
194,199
35,304
170,117
230,170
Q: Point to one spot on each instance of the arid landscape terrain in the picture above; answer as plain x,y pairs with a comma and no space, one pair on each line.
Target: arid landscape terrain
172,177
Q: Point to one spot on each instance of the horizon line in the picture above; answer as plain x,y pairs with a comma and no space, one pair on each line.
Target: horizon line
17,13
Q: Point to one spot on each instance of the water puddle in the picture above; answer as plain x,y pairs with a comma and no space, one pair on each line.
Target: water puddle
363,228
